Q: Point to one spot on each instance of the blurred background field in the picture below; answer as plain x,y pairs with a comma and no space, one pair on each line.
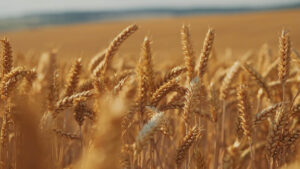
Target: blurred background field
236,34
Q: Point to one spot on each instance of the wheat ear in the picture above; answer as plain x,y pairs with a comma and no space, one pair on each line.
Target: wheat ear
285,52
191,97
258,78
207,47
230,75
162,91
147,64
187,142
10,81
277,131
53,94
188,51
172,74
112,49
141,99
4,130
265,113
6,57
201,162
67,135
148,129
244,111
245,118
96,60
81,110
284,64
86,85
69,101
74,78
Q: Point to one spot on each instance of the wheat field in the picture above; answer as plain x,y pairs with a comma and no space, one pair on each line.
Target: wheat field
158,100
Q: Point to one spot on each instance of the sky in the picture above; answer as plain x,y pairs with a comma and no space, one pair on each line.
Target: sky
21,7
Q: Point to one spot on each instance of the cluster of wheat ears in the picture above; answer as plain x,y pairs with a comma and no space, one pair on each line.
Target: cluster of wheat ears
203,114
